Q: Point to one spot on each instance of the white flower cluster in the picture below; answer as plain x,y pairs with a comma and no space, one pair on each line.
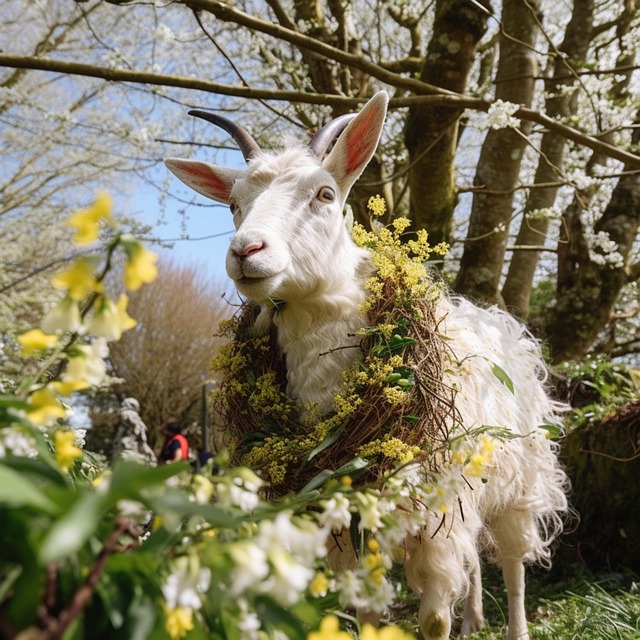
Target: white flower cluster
16,442
500,115
603,250
238,488
183,587
547,213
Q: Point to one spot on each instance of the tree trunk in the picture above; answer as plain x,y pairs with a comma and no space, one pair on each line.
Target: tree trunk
533,230
500,159
603,463
431,133
587,289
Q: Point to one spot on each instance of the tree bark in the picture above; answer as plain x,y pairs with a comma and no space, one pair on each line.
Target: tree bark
603,463
431,133
500,158
587,290
560,104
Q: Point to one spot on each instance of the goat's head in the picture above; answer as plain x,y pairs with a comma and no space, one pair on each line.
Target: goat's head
290,239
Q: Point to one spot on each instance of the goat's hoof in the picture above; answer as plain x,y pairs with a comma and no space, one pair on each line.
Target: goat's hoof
434,627
470,626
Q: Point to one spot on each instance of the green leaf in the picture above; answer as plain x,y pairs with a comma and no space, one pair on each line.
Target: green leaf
18,491
130,478
276,617
553,430
501,374
73,529
327,442
353,467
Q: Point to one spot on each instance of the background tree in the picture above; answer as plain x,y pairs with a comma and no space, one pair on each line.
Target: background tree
165,359
281,65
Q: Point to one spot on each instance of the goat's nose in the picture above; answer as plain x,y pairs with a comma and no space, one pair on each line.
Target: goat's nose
248,249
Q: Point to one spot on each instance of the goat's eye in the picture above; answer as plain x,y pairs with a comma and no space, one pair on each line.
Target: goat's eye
232,205
326,194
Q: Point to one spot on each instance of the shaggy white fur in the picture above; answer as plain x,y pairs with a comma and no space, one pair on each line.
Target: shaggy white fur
291,245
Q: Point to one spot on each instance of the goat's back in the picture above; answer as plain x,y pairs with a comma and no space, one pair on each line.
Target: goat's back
500,376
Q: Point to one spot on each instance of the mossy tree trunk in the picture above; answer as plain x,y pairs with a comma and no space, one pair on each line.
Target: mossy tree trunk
559,104
431,134
498,168
588,284
603,462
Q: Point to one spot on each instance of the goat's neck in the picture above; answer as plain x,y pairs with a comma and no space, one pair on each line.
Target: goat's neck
318,337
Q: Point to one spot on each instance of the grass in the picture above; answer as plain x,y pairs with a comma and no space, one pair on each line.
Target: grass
582,606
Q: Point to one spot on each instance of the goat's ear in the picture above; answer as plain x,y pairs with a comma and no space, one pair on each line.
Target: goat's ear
357,143
205,178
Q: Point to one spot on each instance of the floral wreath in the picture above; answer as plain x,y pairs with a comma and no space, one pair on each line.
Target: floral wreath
392,408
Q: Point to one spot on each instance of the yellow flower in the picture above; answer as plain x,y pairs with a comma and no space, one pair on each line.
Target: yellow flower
86,222
65,316
179,621
44,407
385,633
329,630
319,586
141,264
67,387
79,279
377,205
110,319
86,363
66,450
36,340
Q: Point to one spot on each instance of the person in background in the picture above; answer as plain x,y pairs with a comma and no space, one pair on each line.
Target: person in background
176,446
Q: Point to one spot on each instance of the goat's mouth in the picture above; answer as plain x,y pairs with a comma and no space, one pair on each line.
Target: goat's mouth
257,287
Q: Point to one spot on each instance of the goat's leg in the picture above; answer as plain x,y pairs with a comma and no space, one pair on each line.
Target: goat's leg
513,574
472,615
434,571
515,534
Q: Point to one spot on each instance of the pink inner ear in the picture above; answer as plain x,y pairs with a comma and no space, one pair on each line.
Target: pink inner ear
209,181
360,143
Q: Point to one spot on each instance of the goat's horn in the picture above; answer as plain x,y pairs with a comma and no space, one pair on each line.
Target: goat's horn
322,140
247,144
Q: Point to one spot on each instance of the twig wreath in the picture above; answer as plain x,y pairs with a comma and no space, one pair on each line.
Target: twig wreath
392,408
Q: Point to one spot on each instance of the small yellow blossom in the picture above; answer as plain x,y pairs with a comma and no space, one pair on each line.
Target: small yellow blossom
179,621
141,264
110,319
67,387
319,586
65,316
66,450
329,630
44,407
79,279
86,222
36,340
377,205
346,481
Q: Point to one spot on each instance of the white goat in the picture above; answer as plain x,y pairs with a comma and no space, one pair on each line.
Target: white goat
292,245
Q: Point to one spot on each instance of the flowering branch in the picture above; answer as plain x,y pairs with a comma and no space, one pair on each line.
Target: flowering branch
427,95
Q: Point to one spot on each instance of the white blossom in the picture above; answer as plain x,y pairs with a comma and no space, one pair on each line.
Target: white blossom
251,566
500,115
183,587
17,443
336,515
